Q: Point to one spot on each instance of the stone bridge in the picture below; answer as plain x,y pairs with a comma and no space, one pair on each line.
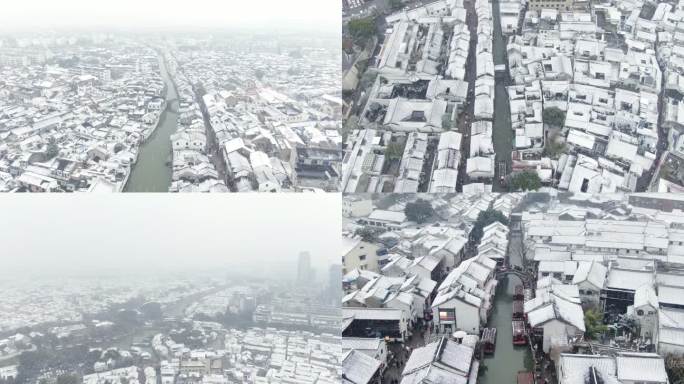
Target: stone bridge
526,278
170,103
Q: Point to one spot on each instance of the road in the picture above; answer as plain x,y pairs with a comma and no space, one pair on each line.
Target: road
502,133
213,148
648,181
465,119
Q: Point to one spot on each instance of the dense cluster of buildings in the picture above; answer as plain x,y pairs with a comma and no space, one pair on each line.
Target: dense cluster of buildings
273,114
403,143
227,356
234,300
616,255
480,163
625,261
300,313
469,289
587,86
25,304
75,113
413,276
669,22
192,168
593,93
624,368
256,356
73,116
11,348
441,360
184,331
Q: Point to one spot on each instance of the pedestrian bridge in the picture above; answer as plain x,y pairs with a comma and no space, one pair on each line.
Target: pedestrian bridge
172,105
526,278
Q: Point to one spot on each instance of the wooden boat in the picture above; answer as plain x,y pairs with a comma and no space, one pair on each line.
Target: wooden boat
519,337
519,292
489,340
503,171
518,310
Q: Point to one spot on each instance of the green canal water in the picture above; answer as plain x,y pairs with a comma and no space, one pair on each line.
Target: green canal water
151,172
508,360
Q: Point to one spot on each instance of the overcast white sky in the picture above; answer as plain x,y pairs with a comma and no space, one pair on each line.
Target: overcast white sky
148,232
26,14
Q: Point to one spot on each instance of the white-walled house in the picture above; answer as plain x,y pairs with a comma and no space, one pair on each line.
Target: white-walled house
356,206
397,265
560,318
427,267
383,219
360,368
357,253
404,302
189,140
638,368
561,270
670,331
408,293
375,348
444,243
590,278
574,368
494,242
464,299
451,252
625,368
444,361
645,310
422,290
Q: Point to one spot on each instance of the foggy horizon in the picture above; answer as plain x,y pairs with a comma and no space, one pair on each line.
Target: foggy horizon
297,15
89,235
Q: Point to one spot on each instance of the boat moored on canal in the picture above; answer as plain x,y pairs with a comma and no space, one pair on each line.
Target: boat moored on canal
489,341
519,337
519,292
518,310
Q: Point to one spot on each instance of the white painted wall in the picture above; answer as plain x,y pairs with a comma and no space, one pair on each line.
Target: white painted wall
467,316
555,329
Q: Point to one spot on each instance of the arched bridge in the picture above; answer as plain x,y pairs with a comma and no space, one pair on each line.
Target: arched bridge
526,278
170,105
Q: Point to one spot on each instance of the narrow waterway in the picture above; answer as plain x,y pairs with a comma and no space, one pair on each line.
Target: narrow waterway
502,134
508,360
151,172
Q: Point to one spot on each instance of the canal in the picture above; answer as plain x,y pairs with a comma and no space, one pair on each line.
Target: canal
502,134
508,360
151,173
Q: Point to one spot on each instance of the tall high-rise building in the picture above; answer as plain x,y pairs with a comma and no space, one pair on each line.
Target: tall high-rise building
305,274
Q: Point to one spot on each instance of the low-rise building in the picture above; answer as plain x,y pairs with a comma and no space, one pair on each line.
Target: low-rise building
464,299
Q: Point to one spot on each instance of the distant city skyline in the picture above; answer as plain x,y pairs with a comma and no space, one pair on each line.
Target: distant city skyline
130,14
305,273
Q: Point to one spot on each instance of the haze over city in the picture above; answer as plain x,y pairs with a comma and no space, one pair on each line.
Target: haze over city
264,14
110,289
91,235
